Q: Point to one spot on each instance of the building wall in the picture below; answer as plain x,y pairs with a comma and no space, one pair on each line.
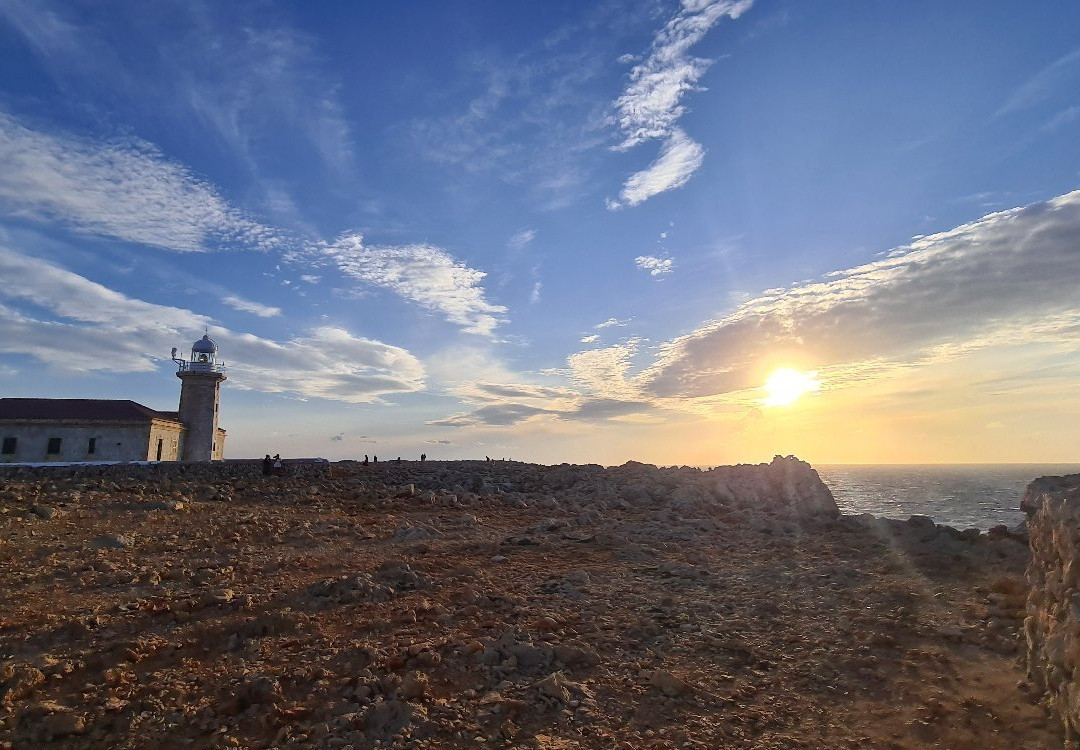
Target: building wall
219,445
116,441
171,436
199,397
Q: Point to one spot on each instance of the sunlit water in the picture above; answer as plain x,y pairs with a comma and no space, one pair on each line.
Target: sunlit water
960,495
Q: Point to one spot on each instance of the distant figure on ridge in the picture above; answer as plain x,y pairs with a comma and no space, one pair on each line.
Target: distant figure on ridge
374,459
365,460
267,465
423,457
277,464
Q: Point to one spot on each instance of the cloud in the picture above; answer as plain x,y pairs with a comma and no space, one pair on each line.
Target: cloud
652,103
612,323
337,438
571,406
604,372
124,189
655,266
309,278
534,295
607,408
531,118
599,388
590,339
243,305
500,391
521,239
1060,75
1007,279
679,158
91,319
328,362
497,415
1062,118
424,274
68,295
238,74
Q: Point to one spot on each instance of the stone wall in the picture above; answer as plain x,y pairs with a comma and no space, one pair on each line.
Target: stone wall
200,396
1052,625
229,469
171,436
113,441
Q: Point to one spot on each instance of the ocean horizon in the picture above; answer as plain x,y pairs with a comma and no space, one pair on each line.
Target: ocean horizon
959,495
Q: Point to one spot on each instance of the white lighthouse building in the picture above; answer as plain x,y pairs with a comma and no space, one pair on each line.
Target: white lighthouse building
76,430
200,394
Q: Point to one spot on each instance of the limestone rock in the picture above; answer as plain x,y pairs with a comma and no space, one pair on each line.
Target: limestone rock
113,541
667,683
414,686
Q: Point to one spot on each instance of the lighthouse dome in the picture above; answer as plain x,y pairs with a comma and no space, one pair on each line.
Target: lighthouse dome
205,345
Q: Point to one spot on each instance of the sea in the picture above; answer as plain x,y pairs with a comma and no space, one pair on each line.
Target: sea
959,495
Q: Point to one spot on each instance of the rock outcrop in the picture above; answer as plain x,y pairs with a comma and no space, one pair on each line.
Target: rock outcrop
1052,626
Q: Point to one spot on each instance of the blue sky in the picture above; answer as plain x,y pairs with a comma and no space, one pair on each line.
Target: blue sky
560,231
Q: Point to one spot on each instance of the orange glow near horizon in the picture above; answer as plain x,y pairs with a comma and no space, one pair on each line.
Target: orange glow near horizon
785,386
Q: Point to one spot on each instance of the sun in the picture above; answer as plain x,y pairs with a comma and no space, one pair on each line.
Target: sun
785,385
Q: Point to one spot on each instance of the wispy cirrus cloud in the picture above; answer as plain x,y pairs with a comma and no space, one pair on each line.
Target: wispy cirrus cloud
652,102
679,158
87,318
255,308
1007,279
234,77
125,189
130,191
1060,75
521,239
654,265
532,118
651,105
424,274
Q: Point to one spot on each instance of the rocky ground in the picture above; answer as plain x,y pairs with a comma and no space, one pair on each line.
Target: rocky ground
475,604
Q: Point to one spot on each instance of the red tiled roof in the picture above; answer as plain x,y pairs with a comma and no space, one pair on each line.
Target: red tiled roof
81,409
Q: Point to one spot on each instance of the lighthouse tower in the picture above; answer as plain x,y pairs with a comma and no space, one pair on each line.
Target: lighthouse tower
200,392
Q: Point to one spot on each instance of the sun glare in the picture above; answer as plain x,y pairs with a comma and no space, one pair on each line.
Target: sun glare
785,386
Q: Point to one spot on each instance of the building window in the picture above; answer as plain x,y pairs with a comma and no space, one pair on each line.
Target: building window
160,444
53,447
9,445
91,446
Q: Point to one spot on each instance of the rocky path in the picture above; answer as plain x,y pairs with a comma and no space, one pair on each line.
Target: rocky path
501,605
